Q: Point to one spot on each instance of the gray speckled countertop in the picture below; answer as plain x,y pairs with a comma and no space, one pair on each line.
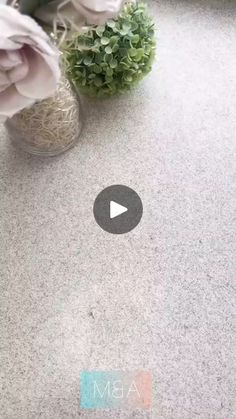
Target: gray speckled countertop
162,297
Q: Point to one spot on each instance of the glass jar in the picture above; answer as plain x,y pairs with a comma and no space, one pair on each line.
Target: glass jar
49,127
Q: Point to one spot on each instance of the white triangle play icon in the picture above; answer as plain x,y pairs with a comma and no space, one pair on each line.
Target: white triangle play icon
116,209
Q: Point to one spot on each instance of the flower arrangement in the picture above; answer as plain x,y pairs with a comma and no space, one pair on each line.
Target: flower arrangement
29,61
111,58
103,52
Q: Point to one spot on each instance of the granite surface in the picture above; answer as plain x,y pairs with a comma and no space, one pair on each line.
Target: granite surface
162,297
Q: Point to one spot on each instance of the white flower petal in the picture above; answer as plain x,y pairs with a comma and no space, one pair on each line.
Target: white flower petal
20,71
42,78
4,87
36,42
13,23
44,46
98,11
21,39
8,44
93,11
8,59
4,81
15,57
105,6
29,63
12,102
3,77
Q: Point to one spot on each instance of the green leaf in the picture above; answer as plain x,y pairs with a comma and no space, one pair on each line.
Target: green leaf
88,60
124,66
140,54
123,52
113,40
100,30
133,52
109,71
78,61
135,39
123,32
136,66
128,78
134,26
97,43
108,50
99,58
113,63
115,48
104,66
111,24
78,73
98,82
126,26
109,79
108,58
116,27
96,69
105,41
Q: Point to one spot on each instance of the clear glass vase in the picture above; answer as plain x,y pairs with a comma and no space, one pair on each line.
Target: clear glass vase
49,127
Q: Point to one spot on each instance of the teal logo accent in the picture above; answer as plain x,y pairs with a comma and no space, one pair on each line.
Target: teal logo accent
115,390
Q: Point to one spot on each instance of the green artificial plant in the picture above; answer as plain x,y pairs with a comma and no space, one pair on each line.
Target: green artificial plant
110,59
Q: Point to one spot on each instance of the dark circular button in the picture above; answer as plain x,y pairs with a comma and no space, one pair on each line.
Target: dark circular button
118,209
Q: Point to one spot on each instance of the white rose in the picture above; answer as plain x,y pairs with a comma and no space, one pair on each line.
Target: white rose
78,11
98,11
29,63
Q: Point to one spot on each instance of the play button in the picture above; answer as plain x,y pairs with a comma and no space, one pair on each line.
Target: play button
118,209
